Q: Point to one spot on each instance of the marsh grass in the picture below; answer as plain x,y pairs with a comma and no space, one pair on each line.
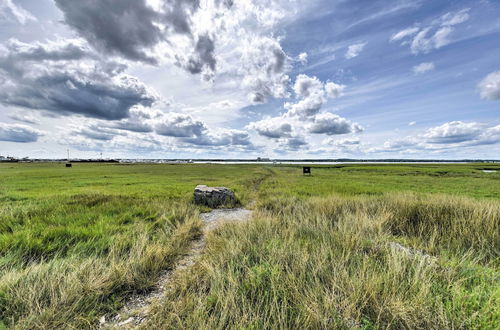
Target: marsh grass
327,262
56,275
76,243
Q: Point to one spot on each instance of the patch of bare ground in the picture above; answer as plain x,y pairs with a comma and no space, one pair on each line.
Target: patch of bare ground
136,310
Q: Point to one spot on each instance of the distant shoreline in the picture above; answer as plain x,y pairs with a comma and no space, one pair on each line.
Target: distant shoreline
266,162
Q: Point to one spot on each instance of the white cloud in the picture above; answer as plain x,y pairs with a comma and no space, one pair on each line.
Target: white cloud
178,125
423,67
25,118
292,144
404,33
454,132
305,116
343,142
18,133
274,128
450,19
10,12
412,123
331,124
489,87
220,138
434,36
334,90
302,58
67,77
313,94
455,135
354,50
263,67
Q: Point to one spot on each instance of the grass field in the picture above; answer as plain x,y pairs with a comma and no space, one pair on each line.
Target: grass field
319,253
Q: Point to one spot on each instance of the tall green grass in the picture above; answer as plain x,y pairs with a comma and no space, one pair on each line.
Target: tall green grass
67,262
75,243
328,262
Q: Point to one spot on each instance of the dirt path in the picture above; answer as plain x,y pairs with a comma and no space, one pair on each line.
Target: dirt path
136,310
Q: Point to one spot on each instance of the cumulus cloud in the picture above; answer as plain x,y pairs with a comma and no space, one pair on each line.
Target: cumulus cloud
178,125
331,124
203,56
434,36
423,67
306,86
302,58
195,132
305,116
140,120
489,87
221,137
354,50
274,128
192,34
348,145
312,94
293,143
130,28
454,132
448,136
11,12
263,68
66,77
334,90
331,141
399,144
18,133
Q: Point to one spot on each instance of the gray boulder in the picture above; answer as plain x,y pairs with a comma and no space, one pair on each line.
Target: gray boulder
213,196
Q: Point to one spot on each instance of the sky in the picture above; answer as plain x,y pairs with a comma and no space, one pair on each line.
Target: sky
316,79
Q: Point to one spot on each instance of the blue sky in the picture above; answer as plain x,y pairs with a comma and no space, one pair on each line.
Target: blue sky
317,79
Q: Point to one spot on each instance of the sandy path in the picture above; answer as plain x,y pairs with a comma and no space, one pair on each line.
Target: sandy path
136,310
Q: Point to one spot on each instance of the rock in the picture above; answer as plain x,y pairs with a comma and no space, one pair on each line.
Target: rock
213,196
414,253
127,321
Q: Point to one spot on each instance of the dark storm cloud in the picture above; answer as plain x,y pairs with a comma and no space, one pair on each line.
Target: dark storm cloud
178,14
125,27
64,78
203,55
129,28
18,133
